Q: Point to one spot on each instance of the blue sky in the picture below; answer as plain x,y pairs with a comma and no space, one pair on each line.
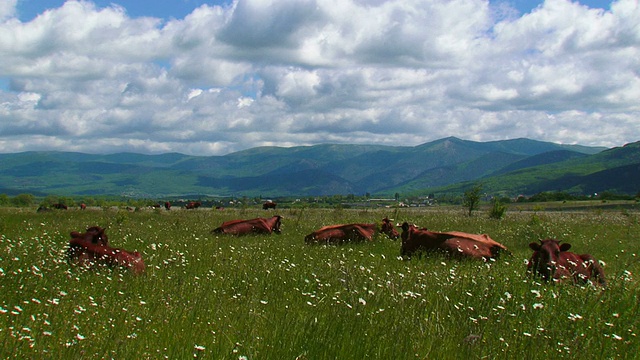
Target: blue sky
28,9
214,77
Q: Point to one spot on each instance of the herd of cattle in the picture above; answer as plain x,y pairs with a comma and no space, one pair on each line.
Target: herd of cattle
550,261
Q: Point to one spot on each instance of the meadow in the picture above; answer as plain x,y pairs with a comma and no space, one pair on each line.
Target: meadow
273,297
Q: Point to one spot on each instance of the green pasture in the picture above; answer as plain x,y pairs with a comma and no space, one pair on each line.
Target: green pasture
273,297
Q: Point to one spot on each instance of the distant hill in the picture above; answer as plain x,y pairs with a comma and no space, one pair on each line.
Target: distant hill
445,165
616,170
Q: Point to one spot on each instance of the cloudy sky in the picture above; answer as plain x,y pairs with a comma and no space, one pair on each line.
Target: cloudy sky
213,77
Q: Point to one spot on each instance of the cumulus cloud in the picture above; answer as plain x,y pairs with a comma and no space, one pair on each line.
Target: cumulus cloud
262,72
7,9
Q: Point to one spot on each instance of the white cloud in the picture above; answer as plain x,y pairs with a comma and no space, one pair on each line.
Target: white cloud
264,72
7,9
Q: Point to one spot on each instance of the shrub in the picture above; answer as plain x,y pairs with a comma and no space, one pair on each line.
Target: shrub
498,209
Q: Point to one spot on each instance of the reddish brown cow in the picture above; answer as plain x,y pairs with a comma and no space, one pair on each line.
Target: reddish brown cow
252,226
193,205
269,205
552,261
338,234
83,206
389,229
454,243
167,205
91,249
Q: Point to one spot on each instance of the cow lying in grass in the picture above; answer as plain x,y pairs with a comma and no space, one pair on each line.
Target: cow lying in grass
251,226
338,234
453,243
552,261
91,249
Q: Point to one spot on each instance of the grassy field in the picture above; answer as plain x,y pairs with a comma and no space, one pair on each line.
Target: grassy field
273,297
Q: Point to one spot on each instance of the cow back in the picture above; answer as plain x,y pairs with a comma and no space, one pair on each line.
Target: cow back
341,233
251,226
454,243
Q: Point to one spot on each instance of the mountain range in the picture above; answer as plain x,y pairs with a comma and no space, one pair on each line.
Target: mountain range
449,165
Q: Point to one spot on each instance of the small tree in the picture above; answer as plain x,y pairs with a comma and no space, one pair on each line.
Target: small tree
498,209
471,198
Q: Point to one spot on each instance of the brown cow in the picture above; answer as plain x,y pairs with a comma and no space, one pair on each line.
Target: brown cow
252,226
94,234
338,234
91,249
193,205
167,205
269,205
552,261
388,229
454,243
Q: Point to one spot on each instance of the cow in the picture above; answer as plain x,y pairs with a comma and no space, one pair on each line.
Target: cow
43,208
388,229
93,234
251,226
167,205
83,206
59,206
551,261
269,205
454,243
193,205
338,234
91,248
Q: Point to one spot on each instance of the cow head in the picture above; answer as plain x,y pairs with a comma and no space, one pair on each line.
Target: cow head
546,257
276,224
94,234
407,229
388,229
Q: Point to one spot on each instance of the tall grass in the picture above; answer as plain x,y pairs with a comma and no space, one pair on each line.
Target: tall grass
273,297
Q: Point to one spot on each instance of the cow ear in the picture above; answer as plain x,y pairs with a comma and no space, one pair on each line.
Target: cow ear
75,234
565,247
534,246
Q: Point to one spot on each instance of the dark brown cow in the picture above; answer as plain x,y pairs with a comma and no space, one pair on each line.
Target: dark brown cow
269,205
389,229
167,205
552,261
59,206
453,243
252,226
92,249
338,234
193,205
94,234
